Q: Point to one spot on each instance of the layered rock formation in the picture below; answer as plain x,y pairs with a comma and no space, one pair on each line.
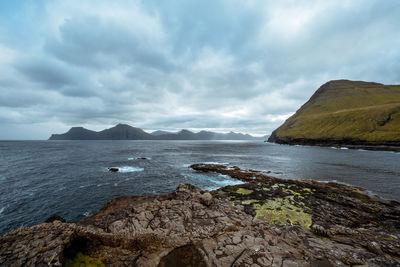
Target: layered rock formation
350,113
264,222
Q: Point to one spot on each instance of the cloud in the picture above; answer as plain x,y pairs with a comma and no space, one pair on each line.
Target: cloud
217,65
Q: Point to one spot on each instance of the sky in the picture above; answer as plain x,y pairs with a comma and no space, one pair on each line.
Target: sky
220,65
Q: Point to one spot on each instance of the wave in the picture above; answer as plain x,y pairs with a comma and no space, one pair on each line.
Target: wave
125,169
2,209
142,158
98,185
213,182
87,213
216,163
227,182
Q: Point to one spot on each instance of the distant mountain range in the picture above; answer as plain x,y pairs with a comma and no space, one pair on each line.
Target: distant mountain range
127,132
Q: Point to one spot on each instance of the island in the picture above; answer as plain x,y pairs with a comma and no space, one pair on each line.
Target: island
265,221
127,132
354,114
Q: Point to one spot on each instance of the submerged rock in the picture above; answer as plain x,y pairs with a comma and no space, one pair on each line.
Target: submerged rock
266,222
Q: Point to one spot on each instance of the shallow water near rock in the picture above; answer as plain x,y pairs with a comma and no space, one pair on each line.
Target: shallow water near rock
71,179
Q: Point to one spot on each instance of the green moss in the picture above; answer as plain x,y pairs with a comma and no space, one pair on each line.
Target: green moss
243,191
81,260
281,211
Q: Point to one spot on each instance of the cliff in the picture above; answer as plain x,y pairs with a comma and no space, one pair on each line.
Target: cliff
343,112
264,222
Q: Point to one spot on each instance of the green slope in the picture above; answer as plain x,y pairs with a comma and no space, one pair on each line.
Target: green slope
345,112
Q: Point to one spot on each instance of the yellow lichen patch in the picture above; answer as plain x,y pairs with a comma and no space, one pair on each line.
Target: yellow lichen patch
309,190
281,211
84,260
248,202
293,193
243,191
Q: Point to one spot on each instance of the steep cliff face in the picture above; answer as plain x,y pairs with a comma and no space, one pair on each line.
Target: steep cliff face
344,112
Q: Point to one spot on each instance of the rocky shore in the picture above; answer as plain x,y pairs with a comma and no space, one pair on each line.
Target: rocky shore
264,222
347,142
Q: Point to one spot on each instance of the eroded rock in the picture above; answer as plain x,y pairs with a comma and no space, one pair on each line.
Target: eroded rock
232,226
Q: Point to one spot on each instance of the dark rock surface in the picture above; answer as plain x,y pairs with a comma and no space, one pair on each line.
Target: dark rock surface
54,218
264,222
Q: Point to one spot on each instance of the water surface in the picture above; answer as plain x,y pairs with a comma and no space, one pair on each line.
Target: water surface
70,178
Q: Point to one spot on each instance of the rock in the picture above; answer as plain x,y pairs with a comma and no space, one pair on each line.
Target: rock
54,218
206,199
265,223
319,230
113,169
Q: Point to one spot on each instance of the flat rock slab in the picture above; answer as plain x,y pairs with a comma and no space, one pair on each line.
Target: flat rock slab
264,222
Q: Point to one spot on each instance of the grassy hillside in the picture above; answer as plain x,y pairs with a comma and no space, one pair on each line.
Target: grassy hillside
346,111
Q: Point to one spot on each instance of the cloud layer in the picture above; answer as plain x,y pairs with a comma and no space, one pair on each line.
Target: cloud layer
220,65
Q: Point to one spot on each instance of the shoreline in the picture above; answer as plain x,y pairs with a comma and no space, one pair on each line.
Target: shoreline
264,221
348,143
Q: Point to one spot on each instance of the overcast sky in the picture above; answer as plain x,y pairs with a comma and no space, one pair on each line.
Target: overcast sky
219,65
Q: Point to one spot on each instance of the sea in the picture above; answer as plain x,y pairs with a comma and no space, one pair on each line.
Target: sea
71,178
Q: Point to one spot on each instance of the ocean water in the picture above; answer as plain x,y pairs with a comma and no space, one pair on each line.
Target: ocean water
71,179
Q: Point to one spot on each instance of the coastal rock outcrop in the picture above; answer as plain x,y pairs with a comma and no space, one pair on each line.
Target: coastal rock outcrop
264,222
347,113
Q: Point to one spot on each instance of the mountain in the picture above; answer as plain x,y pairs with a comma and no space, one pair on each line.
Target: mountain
344,112
126,132
75,133
157,133
118,132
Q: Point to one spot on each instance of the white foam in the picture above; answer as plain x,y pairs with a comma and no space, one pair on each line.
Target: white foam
86,214
211,188
130,158
83,186
227,182
102,184
344,148
215,182
216,163
2,209
125,169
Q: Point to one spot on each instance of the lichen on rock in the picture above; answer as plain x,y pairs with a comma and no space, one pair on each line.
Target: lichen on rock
193,227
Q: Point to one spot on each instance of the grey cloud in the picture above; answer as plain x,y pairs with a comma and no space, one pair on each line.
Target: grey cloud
100,43
239,65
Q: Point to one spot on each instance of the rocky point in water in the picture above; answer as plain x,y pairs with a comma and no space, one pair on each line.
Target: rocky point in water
264,222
